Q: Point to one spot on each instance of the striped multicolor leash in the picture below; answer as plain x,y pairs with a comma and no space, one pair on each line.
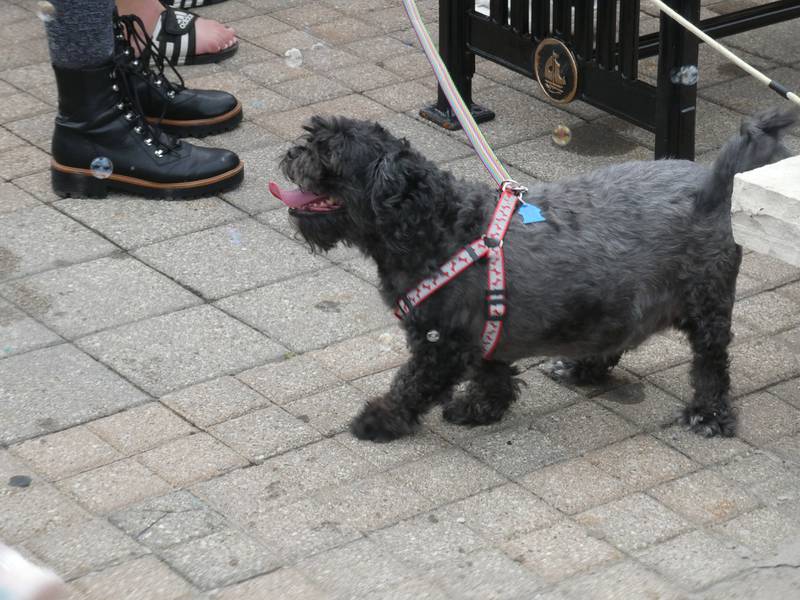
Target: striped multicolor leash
479,143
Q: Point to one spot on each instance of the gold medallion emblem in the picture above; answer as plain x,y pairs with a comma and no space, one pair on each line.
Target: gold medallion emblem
556,70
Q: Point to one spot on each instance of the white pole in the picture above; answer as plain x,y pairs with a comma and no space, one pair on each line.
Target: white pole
728,54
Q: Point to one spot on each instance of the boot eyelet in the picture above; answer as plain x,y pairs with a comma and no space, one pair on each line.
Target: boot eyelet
130,116
170,94
148,141
159,153
115,87
120,36
158,81
112,75
138,129
121,106
135,63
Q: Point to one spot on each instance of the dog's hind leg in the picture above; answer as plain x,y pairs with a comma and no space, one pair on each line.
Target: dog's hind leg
425,380
589,370
488,395
709,413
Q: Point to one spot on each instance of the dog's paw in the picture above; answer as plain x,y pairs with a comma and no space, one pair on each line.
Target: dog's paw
560,370
589,371
378,422
707,422
467,411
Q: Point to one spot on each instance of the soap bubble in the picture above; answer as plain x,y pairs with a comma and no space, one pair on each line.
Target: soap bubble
561,135
102,167
45,11
685,75
294,58
318,46
258,104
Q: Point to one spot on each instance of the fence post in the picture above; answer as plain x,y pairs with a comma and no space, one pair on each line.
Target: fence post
676,103
453,38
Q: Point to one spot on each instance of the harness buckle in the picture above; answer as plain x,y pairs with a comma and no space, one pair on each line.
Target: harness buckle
495,304
492,242
403,307
512,185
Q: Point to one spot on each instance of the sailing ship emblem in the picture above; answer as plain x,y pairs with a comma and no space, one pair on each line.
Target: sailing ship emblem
556,70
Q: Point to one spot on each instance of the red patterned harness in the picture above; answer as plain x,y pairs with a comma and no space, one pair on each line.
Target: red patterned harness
491,245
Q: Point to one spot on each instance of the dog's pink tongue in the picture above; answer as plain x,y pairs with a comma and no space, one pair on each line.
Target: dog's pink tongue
293,198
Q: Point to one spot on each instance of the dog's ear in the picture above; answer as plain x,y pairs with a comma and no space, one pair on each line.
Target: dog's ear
402,201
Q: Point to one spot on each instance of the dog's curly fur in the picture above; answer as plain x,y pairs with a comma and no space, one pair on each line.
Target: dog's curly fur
625,251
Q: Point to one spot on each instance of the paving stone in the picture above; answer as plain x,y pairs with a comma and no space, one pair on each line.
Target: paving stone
219,559
37,185
421,443
103,293
263,165
766,583
254,29
214,401
273,71
21,161
633,522
502,513
282,382
13,198
787,448
625,579
19,333
78,548
112,486
288,124
311,311
141,428
763,418
282,480
427,540
378,48
311,90
747,95
278,43
192,458
238,256
20,105
145,577
516,451
763,530
559,551
168,520
642,404
363,77
305,528
486,574
584,426
251,136
764,476
354,570
376,501
67,452
447,476
12,466
132,222
341,31
8,140
329,412
693,560
417,588
364,355
592,147
788,391
771,271
658,353
287,583
35,510
706,451
767,312
647,461
575,485
40,238
54,388
264,433
36,130
162,354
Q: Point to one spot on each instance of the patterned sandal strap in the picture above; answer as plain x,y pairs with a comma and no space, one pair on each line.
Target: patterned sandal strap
176,35
184,3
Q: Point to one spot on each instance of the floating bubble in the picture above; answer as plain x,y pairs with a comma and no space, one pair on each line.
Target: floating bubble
294,58
102,167
685,75
45,11
318,46
258,104
561,135
235,236
433,336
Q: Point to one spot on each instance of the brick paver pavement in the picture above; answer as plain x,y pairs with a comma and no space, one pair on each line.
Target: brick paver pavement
177,377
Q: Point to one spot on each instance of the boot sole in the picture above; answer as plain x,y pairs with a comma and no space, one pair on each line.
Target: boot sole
200,128
72,182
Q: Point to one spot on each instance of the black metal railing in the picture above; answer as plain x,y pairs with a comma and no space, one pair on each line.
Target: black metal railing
607,48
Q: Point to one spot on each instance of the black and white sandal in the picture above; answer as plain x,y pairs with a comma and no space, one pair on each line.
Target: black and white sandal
189,3
175,34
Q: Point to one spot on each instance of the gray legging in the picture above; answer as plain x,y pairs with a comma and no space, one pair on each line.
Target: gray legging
81,34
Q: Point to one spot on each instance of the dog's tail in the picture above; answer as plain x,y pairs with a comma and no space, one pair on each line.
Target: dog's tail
757,144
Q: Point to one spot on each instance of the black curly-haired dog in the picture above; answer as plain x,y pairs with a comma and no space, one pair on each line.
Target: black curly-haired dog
624,252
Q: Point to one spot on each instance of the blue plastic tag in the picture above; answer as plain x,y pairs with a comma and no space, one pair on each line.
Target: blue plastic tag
530,213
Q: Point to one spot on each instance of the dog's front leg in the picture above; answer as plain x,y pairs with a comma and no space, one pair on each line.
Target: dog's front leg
419,384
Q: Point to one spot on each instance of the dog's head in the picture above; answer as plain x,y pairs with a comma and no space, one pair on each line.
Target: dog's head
358,185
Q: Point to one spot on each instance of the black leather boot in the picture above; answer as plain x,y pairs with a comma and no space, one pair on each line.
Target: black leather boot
99,121
179,111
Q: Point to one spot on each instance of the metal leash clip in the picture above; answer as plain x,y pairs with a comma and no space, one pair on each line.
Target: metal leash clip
510,184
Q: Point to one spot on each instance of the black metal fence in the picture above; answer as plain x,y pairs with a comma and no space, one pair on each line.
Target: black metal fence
605,44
